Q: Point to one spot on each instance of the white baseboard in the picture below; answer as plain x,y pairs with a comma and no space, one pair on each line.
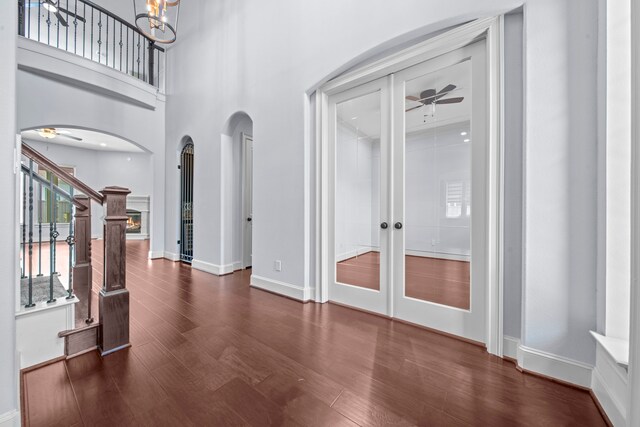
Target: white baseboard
547,364
282,288
237,266
610,386
171,256
207,267
10,419
156,254
354,253
131,236
438,255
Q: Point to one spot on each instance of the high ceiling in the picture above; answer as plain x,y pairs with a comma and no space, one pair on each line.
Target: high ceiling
90,140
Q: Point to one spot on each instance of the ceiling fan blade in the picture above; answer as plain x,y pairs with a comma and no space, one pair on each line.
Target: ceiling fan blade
71,14
414,108
75,138
61,19
412,98
426,96
448,88
450,100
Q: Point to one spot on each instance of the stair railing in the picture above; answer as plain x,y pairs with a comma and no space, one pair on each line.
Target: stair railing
43,197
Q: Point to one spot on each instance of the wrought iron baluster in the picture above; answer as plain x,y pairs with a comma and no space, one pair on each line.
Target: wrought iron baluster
39,14
99,37
66,10
75,27
71,241
138,60
144,64
127,68
24,226
84,29
106,45
28,22
40,231
91,45
113,61
30,303
57,32
120,44
48,21
53,235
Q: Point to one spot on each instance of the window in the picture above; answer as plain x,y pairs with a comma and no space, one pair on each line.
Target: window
453,199
63,208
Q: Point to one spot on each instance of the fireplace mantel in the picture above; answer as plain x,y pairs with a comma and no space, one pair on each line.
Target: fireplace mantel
141,204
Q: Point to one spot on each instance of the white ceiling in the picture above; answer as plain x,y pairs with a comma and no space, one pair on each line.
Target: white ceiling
90,140
363,113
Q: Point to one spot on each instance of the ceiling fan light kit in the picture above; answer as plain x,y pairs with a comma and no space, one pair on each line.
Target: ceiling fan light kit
157,19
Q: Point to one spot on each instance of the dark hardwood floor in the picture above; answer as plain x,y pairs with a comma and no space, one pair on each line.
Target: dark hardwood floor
436,280
210,350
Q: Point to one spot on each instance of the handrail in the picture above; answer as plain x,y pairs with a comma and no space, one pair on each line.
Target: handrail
56,189
57,170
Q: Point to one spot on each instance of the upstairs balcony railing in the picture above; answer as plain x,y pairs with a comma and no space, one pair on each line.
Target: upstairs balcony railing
86,29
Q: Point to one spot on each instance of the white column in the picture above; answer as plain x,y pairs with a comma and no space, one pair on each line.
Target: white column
8,253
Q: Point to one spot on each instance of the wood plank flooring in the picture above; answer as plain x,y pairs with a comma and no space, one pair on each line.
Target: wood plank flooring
210,350
436,280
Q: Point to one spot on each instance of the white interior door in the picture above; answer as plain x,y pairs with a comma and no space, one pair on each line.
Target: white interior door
439,193
247,149
358,123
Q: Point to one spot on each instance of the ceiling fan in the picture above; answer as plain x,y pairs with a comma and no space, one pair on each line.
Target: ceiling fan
53,7
50,133
431,97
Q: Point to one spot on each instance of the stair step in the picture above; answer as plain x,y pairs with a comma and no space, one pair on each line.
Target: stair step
81,340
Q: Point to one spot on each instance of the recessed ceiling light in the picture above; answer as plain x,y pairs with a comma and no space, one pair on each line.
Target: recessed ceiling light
354,118
463,133
102,144
467,140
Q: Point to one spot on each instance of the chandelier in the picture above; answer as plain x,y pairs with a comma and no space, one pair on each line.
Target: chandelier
157,19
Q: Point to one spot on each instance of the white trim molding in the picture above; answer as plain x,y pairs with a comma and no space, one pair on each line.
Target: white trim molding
610,386
292,291
207,267
170,256
10,419
156,254
547,364
490,29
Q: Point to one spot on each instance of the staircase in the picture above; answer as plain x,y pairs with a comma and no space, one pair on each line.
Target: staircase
56,316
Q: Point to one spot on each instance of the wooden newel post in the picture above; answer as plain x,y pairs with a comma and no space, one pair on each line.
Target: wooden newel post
82,271
114,296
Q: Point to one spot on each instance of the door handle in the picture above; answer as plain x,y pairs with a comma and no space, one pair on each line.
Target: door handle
397,225
249,219
384,225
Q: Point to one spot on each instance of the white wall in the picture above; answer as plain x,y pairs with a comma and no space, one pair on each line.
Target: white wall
8,219
356,216
99,169
266,73
434,158
513,191
618,264
45,101
560,242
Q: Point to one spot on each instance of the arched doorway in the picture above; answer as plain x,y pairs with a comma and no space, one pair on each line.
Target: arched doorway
186,202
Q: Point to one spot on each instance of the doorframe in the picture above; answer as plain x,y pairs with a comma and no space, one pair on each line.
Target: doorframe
492,30
246,198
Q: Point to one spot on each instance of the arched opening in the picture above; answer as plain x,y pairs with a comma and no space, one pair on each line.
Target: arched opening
186,201
237,163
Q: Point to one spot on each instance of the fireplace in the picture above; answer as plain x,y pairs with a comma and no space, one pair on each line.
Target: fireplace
134,221
138,217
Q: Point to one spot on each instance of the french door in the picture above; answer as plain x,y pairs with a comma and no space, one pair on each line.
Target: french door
408,178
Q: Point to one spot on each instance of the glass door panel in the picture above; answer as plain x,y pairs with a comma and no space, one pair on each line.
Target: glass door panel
440,167
358,122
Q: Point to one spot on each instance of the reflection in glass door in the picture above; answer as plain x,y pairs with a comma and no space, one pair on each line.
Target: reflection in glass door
440,164
359,139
